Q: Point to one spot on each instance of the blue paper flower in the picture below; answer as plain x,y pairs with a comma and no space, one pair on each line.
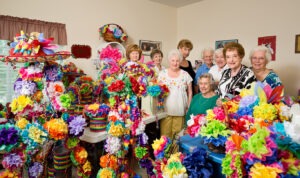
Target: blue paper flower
197,165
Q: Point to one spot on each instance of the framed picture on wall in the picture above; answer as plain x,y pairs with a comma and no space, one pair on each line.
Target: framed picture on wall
222,43
147,46
297,44
269,42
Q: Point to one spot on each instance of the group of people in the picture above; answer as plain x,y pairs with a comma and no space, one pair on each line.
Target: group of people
222,75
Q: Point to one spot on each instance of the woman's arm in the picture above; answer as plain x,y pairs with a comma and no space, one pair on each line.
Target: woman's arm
189,93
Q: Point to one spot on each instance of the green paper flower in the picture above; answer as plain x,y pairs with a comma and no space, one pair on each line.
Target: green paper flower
214,129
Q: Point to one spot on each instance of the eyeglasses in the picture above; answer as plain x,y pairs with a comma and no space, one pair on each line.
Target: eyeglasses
258,58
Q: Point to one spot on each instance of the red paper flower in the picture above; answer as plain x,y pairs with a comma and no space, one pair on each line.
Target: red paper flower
134,85
116,86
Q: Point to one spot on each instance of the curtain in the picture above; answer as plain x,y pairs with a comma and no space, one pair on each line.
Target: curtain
10,26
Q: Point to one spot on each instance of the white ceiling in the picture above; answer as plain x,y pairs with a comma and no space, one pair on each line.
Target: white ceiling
176,3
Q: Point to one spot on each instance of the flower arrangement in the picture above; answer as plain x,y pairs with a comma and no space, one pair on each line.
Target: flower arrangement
263,139
113,32
53,72
106,173
215,133
31,72
9,137
161,147
56,128
24,87
35,170
13,161
21,105
76,125
109,161
34,136
174,167
194,124
197,165
79,155
31,45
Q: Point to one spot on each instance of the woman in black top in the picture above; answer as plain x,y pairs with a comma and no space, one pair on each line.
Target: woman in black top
185,46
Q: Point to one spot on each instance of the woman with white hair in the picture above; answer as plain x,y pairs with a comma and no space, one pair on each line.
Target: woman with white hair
217,70
260,57
179,83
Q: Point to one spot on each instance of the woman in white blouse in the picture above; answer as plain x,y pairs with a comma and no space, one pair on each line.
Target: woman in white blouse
179,83
217,70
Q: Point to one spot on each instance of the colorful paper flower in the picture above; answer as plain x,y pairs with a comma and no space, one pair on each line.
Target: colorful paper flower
109,161
197,164
265,111
76,125
13,160
106,173
259,170
79,155
9,137
35,170
34,135
21,104
56,128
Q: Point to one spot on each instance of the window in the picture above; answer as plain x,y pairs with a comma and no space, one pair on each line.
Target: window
8,75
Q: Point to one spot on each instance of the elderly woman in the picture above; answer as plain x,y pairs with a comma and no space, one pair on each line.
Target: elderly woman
217,70
237,76
179,83
157,56
204,100
260,57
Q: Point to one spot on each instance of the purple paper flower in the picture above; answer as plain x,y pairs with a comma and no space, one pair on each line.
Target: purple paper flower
35,170
13,161
8,137
76,125
143,139
117,33
18,86
24,87
248,101
53,73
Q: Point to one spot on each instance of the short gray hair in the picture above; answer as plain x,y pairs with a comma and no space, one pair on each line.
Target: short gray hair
210,78
218,51
206,49
175,52
268,55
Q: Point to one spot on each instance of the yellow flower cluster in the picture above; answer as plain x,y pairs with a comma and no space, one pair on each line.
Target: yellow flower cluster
20,103
21,123
259,170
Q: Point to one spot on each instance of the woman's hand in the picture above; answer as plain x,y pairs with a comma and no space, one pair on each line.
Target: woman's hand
219,102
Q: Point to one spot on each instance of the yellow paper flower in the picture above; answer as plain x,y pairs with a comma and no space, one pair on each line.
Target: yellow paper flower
259,170
87,167
93,107
265,111
210,115
231,106
116,130
37,135
18,104
21,123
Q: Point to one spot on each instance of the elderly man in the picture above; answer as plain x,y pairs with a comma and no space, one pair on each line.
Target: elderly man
207,56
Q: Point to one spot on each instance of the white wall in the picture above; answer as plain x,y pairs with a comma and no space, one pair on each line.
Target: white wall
203,23
246,20
141,19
